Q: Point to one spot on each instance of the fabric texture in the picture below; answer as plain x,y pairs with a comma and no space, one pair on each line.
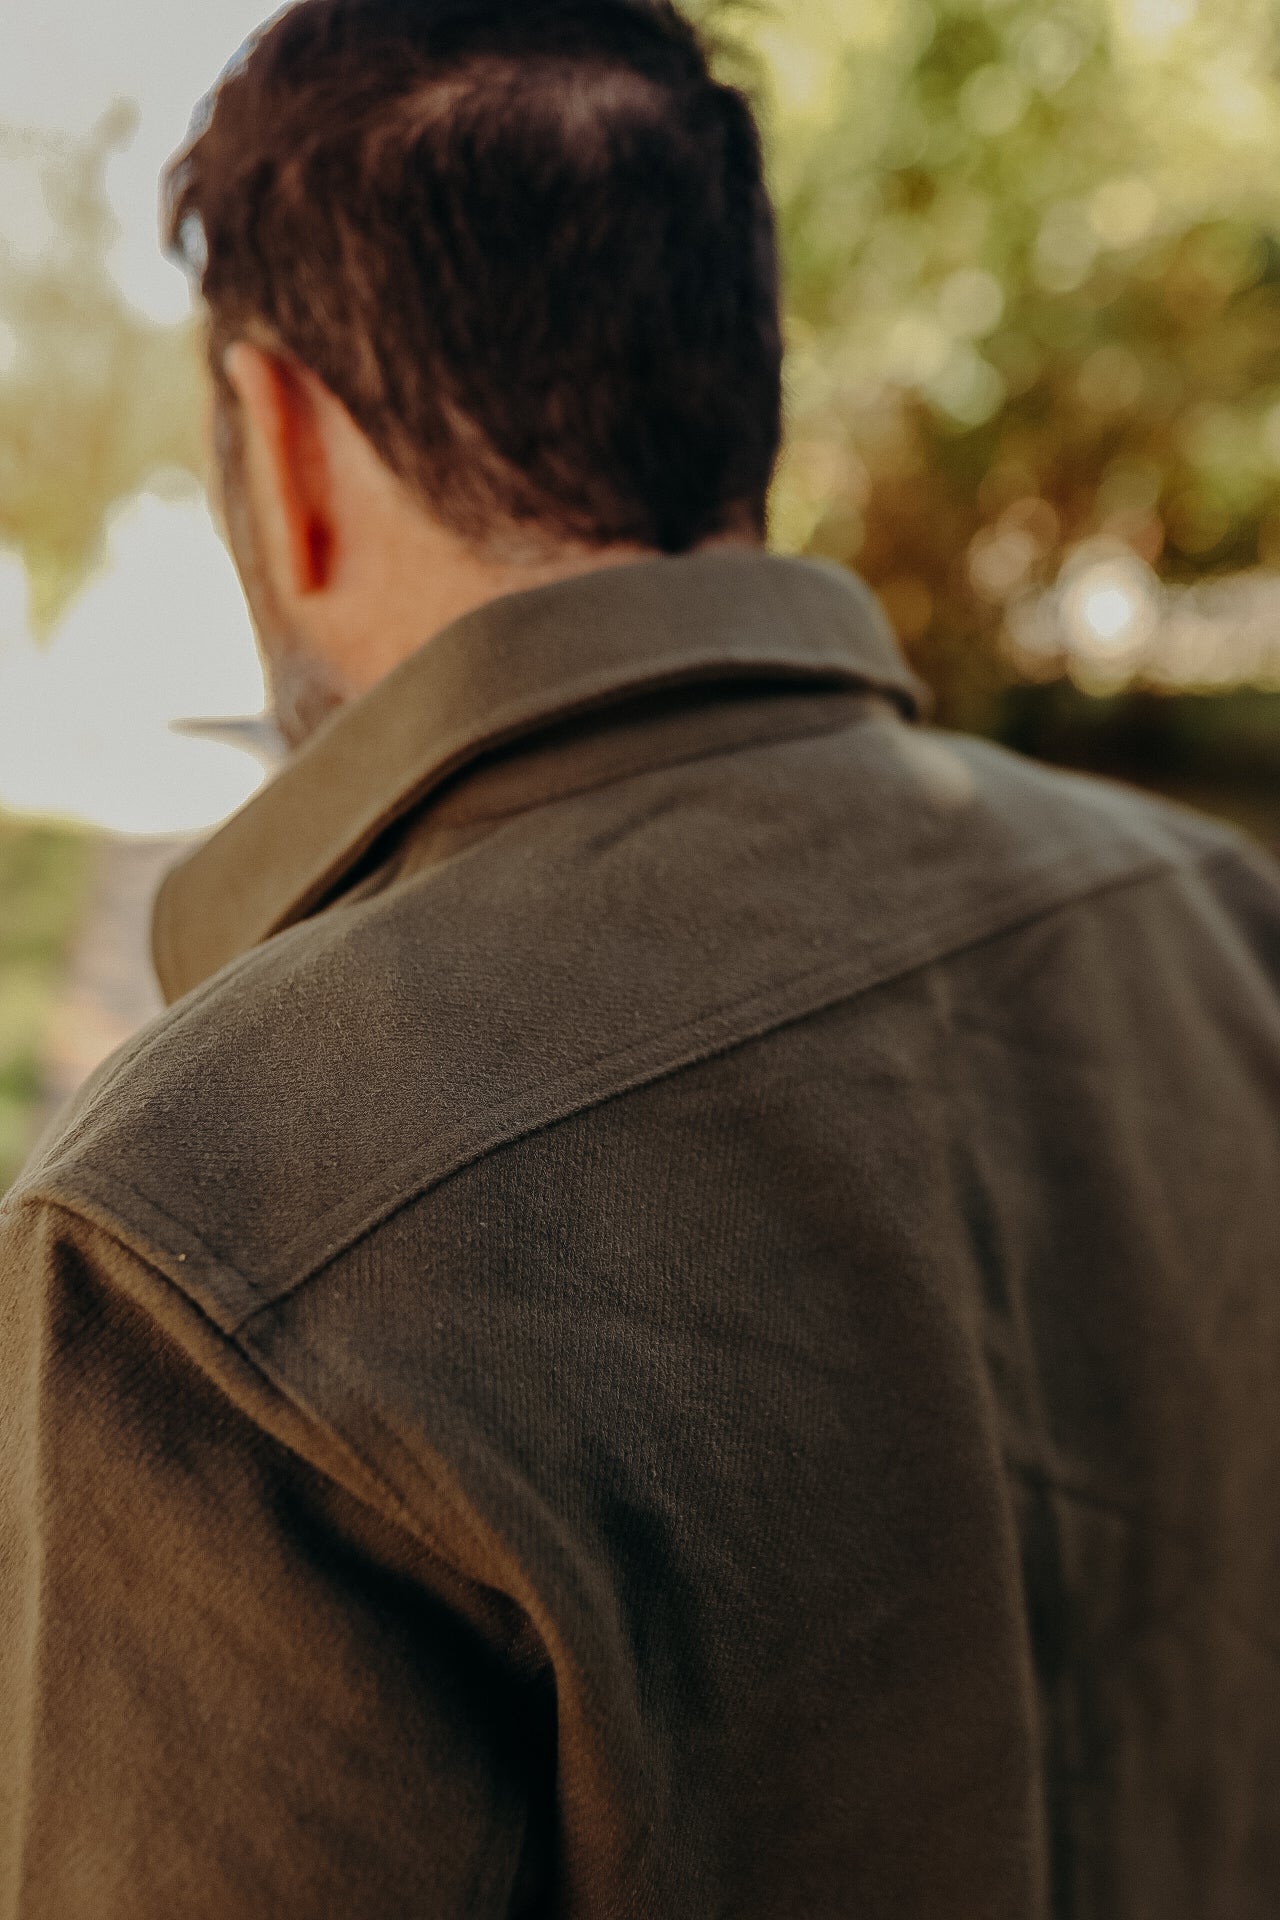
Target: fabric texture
681,1317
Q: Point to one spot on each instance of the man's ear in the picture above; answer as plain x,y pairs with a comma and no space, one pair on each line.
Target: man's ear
286,467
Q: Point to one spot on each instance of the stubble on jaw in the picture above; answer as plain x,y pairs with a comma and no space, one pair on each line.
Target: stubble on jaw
302,691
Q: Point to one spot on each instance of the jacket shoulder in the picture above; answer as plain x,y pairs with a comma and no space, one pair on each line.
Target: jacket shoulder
283,1110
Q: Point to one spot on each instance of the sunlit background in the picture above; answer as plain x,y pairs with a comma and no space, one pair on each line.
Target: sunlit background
1033,253
119,613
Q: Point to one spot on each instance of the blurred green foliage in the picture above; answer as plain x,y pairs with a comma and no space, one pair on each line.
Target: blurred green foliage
1033,262
42,875
1033,256
95,402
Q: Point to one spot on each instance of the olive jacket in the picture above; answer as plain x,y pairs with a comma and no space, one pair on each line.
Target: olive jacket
681,1318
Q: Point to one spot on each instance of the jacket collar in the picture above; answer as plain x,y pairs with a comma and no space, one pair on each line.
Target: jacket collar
508,670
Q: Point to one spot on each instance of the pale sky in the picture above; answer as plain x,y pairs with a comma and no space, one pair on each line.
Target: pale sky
63,61
162,634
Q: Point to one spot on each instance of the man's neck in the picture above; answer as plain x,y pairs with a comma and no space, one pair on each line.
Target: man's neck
433,579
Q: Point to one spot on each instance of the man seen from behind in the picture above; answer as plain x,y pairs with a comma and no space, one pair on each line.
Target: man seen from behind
682,1316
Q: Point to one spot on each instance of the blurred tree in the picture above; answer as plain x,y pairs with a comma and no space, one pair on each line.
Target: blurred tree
43,871
1034,280
95,402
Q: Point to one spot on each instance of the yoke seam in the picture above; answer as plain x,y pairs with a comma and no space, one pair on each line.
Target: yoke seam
716,1048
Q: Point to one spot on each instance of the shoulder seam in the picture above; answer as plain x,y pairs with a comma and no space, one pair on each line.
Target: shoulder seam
190,1327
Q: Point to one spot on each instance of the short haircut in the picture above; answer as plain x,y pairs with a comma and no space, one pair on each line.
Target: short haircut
527,243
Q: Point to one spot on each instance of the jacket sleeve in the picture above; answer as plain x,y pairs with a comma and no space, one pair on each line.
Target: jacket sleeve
218,1697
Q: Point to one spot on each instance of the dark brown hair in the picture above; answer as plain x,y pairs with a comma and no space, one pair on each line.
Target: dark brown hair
526,243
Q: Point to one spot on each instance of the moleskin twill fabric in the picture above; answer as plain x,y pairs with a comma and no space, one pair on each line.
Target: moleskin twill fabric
680,1318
